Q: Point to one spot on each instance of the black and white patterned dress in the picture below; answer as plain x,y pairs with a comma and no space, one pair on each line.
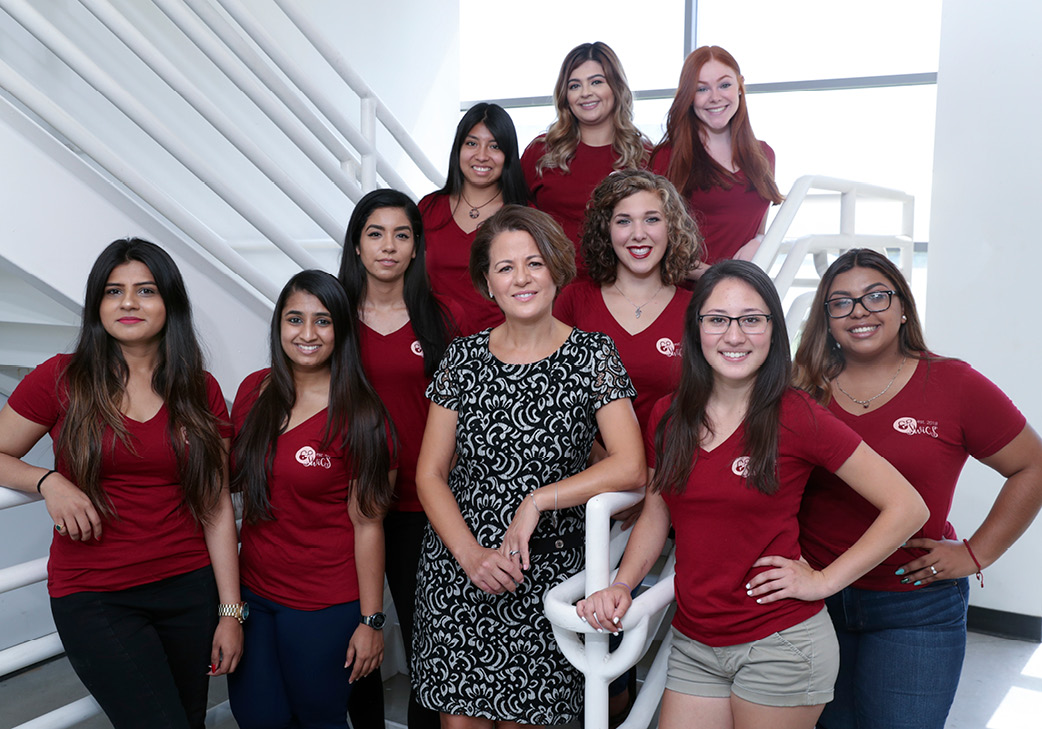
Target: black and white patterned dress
521,426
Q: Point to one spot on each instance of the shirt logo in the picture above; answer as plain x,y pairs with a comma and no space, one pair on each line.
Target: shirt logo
312,459
416,349
668,347
913,426
740,465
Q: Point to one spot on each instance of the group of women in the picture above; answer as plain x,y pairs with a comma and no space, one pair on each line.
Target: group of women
378,440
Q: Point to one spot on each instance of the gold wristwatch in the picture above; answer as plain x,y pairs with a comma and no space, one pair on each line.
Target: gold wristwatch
238,610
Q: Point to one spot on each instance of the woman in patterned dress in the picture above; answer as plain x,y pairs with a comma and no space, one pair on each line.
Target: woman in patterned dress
503,476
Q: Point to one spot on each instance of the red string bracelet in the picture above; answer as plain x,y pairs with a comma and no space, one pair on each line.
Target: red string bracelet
980,570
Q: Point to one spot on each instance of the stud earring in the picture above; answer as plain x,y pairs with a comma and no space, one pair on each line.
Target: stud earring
903,318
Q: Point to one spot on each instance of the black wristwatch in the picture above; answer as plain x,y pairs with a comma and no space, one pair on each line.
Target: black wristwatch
375,621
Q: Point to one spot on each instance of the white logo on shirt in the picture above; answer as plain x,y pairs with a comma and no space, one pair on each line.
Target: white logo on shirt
416,349
912,426
740,465
668,347
310,458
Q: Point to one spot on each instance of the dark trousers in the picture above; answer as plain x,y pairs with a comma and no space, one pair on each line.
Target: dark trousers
292,671
144,652
403,536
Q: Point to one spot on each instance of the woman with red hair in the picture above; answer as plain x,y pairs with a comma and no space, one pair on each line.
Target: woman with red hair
710,155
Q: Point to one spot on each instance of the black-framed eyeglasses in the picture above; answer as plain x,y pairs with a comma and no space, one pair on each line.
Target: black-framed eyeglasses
874,301
720,323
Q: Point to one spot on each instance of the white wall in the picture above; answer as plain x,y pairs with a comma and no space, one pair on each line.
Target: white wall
985,256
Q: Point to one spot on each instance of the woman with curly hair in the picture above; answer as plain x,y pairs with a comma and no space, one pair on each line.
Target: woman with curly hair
592,136
143,571
484,175
710,154
902,626
639,243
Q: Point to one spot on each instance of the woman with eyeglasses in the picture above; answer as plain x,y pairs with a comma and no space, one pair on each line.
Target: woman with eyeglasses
902,626
729,454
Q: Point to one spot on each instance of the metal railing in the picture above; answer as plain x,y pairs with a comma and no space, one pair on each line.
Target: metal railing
302,110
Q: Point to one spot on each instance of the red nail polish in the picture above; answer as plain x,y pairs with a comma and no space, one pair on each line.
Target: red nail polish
213,668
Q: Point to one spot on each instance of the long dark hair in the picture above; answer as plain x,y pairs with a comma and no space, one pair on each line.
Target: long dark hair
819,360
677,436
501,127
94,383
430,320
356,419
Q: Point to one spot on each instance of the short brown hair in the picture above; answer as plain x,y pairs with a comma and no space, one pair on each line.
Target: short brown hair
684,243
557,251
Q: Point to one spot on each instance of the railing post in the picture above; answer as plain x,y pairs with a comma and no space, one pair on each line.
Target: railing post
368,129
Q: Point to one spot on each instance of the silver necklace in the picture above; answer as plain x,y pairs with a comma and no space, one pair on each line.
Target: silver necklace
866,403
637,309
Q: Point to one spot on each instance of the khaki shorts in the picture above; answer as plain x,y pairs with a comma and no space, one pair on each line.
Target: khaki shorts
794,667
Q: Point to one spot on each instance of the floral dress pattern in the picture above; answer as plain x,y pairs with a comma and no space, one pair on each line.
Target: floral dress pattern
520,426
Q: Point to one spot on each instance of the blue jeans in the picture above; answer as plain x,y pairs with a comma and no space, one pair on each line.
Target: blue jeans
900,656
292,670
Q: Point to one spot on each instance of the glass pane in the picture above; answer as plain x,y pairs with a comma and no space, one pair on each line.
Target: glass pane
814,39
509,49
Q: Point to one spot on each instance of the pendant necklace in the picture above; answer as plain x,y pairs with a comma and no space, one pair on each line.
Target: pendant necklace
475,209
866,403
637,309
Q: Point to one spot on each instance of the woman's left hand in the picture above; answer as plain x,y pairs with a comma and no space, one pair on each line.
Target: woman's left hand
365,652
515,541
227,646
790,578
946,559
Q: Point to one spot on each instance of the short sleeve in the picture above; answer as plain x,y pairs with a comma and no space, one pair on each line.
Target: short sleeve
988,417
444,387
36,397
611,381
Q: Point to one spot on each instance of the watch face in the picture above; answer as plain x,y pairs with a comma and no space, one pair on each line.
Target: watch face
376,621
245,611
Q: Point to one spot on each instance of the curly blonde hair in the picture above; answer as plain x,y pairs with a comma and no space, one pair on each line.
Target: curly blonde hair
684,247
562,138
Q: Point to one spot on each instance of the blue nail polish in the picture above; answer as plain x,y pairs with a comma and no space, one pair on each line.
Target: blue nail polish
905,580
917,583
900,571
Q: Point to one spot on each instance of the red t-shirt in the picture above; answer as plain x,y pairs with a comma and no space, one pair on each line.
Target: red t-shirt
652,357
394,365
723,526
152,536
448,264
727,219
947,412
305,557
564,196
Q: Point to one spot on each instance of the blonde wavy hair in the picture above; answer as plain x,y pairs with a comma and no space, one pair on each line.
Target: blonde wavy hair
562,138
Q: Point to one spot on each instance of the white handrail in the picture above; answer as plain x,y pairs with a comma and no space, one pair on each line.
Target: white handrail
150,122
584,647
176,79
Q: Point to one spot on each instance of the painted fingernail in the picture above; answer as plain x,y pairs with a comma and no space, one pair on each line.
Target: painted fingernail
749,592
759,601
917,583
582,618
748,585
600,630
615,620
905,580
904,544
213,668
900,571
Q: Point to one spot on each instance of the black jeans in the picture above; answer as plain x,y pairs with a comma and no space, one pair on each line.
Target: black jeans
144,652
403,536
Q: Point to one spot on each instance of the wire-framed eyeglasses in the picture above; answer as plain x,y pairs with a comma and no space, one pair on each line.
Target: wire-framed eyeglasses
720,323
873,301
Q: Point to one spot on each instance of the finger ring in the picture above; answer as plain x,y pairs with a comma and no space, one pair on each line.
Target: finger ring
59,528
514,551
933,569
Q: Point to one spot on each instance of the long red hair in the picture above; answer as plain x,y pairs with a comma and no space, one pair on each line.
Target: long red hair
690,166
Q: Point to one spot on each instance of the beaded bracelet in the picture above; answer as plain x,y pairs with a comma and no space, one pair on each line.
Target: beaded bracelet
980,570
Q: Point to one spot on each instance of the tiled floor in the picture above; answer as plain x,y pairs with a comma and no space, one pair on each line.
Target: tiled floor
1001,688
